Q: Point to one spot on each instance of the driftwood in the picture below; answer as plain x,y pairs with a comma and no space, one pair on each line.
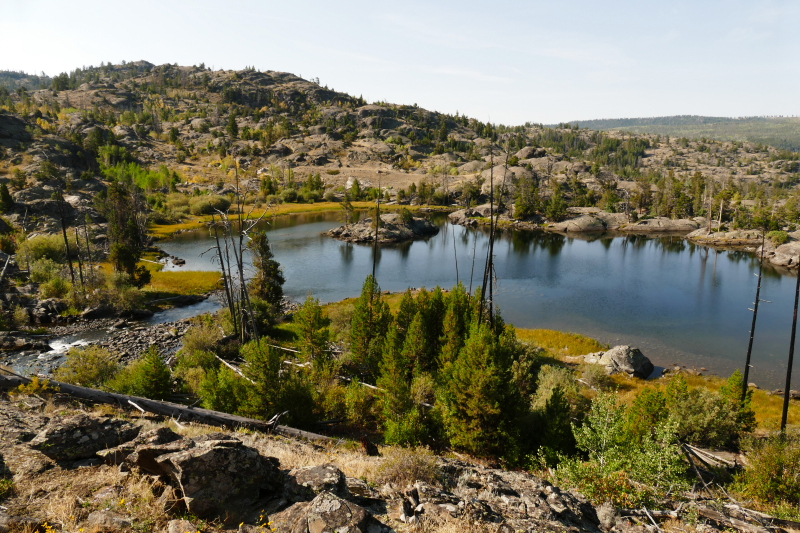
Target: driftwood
727,521
193,414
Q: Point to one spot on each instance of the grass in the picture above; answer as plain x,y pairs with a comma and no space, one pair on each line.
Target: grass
166,283
197,222
560,343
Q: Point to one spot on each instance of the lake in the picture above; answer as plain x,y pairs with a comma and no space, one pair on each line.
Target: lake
679,303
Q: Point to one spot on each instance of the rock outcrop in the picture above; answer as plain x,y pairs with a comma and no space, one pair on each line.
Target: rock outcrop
393,229
622,359
82,436
786,255
662,225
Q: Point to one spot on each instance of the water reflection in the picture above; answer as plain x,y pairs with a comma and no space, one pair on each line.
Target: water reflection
658,292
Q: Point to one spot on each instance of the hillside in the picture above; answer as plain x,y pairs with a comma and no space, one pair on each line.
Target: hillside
780,132
97,124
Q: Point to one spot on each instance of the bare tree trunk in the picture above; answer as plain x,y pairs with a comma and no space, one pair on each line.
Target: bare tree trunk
791,357
225,276
64,233
755,315
80,264
90,275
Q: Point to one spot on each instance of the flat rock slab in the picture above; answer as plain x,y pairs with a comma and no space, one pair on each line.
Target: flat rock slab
82,436
393,229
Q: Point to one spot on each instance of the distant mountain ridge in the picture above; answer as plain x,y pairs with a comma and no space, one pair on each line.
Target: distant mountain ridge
780,132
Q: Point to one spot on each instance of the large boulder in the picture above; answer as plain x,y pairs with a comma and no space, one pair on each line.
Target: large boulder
623,359
217,475
306,483
326,513
82,436
583,223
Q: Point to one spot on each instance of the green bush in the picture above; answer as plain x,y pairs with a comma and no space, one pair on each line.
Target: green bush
773,470
778,237
55,288
656,461
88,367
148,377
288,195
707,418
206,205
222,390
358,401
200,338
43,270
42,247
405,215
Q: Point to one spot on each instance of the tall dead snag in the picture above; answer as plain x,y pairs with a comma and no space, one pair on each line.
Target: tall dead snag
225,274
235,239
785,413
755,315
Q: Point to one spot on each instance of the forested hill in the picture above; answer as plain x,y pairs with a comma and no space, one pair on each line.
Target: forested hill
780,132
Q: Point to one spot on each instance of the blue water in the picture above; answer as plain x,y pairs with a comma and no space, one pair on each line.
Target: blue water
677,302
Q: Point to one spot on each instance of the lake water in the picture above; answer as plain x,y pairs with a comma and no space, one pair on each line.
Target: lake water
677,302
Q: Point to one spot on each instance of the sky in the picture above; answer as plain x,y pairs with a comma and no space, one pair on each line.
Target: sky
505,61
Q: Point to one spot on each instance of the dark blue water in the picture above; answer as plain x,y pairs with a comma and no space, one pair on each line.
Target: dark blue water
678,302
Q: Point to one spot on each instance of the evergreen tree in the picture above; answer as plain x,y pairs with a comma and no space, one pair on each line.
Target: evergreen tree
478,406
415,350
6,201
371,318
405,314
455,325
347,209
120,208
395,377
313,332
557,437
232,128
267,284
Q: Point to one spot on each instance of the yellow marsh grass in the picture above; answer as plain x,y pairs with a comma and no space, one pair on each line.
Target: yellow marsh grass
196,222
184,282
560,343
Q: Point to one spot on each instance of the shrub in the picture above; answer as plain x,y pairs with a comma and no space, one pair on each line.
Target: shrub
358,400
119,293
148,377
403,466
288,195
8,244
222,390
707,418
89,367
206,205
20,317
773,472
656,462
202,338
55,288
405,215
332,172
44,246
330,196
44,270
778,237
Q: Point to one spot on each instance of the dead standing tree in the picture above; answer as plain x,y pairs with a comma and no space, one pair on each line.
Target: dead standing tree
235,228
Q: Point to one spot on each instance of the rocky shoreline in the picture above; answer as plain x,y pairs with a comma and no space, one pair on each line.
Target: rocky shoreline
393,229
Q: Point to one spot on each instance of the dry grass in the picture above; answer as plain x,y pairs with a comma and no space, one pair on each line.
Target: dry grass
560,343
185,282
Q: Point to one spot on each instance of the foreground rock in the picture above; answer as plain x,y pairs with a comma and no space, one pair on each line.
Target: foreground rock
326,512
393,229
81,436
622,360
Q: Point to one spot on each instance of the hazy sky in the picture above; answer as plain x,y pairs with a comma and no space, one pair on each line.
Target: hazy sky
503,61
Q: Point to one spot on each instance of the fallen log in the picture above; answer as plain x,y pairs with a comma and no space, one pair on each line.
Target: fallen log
173,410
727,521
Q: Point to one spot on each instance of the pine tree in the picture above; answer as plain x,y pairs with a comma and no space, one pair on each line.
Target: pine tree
267,284
6,201
405,314
371,318
395,377
455,325
313,332
233,128
414,349
477,403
